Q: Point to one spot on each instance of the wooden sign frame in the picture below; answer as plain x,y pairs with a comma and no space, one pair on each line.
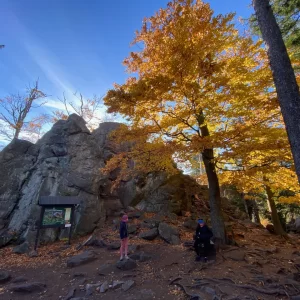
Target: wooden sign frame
55,204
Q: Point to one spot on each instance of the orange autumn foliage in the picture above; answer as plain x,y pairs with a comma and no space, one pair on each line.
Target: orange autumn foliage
194,66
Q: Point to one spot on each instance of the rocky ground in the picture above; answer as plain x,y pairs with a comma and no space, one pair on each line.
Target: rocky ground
162,266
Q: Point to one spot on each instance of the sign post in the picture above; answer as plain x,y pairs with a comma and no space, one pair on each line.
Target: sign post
56,212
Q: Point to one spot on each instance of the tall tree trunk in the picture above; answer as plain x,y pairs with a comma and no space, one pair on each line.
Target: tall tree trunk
283,74
214,196
274,215
216,215
256,212
248,206
252,210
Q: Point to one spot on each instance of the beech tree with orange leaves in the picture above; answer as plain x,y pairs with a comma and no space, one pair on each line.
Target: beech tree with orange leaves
265,167
197,86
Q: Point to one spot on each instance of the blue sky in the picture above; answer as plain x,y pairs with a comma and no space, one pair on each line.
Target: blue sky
75,45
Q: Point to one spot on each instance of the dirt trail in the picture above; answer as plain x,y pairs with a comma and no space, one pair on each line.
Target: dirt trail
263,266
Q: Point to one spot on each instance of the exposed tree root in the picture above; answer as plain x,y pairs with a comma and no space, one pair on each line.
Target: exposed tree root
184,288
176,279
265,291
274,289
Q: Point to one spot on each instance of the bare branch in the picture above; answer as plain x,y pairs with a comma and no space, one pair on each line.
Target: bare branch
15,110
85,108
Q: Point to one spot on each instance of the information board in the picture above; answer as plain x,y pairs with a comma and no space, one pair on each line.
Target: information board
57,217
56,212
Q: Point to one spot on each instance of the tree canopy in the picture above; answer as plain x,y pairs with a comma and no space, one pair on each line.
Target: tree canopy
200,87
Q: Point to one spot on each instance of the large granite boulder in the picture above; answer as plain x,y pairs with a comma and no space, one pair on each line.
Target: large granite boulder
169,233
159,192
66,161
126,264
81,259
149,235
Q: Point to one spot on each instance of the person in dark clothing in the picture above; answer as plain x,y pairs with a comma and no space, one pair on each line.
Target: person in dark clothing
124,237
202,240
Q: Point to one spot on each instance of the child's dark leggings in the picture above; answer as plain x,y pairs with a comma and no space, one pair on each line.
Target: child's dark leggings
202,248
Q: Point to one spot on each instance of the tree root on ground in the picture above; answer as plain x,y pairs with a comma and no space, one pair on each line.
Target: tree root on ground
277,291
176,279
184,288
255,253
291,284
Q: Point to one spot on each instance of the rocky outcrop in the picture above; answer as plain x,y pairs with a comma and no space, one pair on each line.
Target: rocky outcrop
161,193
67,161
294,225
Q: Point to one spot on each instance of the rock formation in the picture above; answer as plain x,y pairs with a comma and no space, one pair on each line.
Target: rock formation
67,161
